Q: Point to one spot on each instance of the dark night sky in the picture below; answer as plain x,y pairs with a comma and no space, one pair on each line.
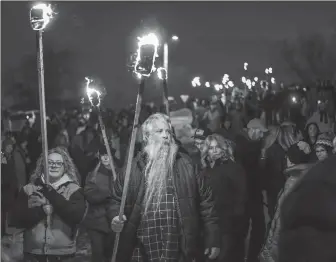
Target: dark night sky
215,37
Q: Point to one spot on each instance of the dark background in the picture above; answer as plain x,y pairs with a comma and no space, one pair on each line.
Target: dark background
97,38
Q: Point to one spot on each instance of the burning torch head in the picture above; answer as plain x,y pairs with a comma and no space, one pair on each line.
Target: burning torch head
93,93
40,16
147,53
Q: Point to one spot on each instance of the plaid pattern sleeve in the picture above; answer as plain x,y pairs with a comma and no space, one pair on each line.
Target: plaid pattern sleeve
158,232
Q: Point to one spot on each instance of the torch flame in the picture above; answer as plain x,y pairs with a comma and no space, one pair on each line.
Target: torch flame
90,91
150,39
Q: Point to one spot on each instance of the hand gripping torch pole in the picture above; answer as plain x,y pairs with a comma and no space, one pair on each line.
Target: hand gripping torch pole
144,66
40,16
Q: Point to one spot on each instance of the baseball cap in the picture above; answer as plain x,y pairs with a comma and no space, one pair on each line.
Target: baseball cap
257,124
202,133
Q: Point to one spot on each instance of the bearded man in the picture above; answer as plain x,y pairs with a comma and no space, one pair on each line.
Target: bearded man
167,204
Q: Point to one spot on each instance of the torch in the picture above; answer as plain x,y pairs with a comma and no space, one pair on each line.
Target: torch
40,16
162,74
144,66
94,96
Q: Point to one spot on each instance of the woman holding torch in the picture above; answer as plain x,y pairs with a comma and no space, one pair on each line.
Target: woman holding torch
62,199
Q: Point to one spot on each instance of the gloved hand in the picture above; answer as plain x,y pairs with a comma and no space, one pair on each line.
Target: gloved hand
41,183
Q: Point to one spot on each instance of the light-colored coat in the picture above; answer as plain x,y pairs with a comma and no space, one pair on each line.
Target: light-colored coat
59,238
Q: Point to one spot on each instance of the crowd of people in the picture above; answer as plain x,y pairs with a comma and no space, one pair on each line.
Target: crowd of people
184,203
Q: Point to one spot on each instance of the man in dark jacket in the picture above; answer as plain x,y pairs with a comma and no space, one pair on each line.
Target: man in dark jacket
308,217
248,152
165,204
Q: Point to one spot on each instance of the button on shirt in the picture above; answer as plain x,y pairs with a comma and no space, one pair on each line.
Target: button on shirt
158,233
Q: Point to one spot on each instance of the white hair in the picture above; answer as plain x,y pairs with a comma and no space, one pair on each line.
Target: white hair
160,162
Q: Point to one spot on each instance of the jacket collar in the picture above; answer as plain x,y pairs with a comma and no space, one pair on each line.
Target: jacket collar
65,179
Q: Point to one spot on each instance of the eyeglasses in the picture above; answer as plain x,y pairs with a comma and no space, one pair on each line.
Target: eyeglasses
57,164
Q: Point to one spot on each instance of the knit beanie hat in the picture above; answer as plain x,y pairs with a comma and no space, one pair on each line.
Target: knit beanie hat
324,140
297,155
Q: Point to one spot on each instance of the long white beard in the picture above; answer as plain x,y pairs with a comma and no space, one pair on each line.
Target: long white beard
159,167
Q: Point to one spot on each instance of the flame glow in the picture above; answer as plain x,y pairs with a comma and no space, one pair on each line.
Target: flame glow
175,37
90,91
225,79
245,66
249,83
162,73
47,15
196,81
223,98
139,76
207,84
150,39
218,87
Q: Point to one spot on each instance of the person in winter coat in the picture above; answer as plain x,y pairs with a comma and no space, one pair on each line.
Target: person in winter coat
311,133
166,205
323,147
199,143
67,207
98,189
248,152
308,217
227,179
276,144
297,166
213,116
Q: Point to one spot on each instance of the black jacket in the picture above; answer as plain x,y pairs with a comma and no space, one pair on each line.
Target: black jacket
195,202
228,182
308,217
98,188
